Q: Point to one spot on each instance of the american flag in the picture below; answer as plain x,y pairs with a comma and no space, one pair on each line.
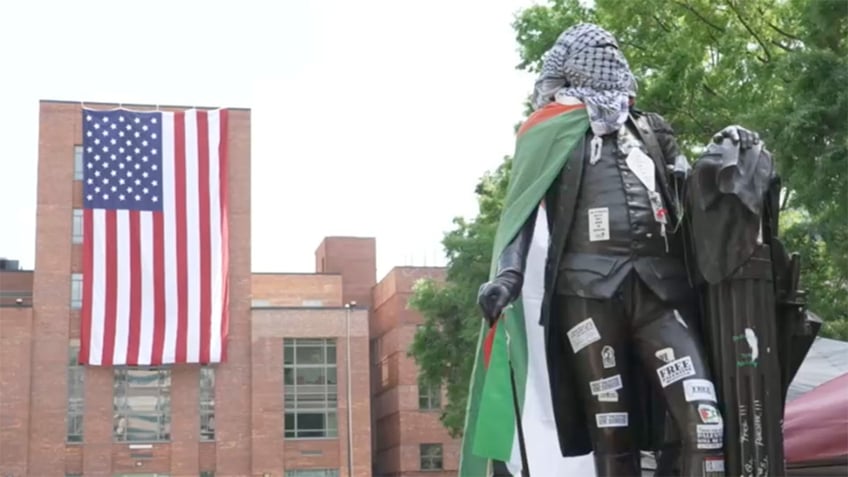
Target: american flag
154,237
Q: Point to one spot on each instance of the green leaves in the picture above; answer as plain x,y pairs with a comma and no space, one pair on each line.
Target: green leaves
779,67
444,346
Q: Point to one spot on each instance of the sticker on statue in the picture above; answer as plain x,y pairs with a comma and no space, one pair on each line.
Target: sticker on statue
612,419
699,390
675,371
609,396
666,355
599,227
679,318
714,464
643,167
709,436
709,414
583,334
612,383
608,357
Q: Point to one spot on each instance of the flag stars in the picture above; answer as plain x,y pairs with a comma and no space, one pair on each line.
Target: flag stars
131,178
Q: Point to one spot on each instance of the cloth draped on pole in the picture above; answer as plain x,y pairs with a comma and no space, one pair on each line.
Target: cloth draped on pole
543,145
155,260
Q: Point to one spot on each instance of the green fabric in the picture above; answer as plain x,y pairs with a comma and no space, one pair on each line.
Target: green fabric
540,154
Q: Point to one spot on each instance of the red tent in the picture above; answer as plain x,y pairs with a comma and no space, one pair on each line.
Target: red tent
815,430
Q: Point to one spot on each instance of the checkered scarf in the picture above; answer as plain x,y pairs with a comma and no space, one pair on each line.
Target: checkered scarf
585,63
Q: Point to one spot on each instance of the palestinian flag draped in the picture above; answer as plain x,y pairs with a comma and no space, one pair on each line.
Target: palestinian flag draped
544,143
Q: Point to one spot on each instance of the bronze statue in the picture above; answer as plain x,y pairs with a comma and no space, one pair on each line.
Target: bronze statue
629,366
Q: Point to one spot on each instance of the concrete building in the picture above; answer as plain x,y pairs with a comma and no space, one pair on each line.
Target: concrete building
310,357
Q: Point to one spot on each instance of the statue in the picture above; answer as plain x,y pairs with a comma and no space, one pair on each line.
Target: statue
627,360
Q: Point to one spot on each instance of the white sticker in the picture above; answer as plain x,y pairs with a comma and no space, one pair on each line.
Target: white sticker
751,338
583,334
699,390
599,228
680,319
675,371
713,464
666,355
611,419
608,357
710,436
643,167
709,414
612,383
609,396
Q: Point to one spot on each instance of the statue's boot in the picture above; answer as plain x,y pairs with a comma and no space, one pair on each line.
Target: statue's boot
617,465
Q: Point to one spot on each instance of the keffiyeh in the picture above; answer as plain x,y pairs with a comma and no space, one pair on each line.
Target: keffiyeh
585,63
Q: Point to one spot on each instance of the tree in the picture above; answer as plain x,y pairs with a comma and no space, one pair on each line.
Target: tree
444,346
775,66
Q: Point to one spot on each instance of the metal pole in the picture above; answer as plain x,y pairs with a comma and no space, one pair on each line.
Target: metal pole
349,398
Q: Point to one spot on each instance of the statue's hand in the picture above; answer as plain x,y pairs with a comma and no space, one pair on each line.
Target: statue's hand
495,295
739,135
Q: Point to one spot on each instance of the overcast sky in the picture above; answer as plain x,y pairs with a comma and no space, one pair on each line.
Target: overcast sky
370,117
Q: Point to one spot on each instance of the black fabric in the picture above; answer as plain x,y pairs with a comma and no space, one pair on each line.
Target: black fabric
725,193
635,325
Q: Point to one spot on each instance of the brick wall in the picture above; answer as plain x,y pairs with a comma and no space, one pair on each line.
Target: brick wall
15,284
296,289
272,453
401,426
355,258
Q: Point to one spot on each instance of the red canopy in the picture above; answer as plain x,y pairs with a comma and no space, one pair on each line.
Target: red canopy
815,425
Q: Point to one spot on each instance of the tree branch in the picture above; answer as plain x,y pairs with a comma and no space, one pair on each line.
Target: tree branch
787,35
751,31
661,24
700,16
782,46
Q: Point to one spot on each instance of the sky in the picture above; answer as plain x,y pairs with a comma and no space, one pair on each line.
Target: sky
370,118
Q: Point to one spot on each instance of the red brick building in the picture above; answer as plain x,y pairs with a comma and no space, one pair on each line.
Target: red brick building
280,406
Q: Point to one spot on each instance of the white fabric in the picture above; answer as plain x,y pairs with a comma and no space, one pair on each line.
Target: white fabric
540,435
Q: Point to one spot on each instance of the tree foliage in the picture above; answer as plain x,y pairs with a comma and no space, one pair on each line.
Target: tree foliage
778,67
444,346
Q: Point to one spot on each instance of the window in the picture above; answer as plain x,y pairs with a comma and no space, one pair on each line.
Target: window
77,163
310,390
312,473
142,405
76,291
207,403
429,397
76,394
207,473
76,227
431,456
